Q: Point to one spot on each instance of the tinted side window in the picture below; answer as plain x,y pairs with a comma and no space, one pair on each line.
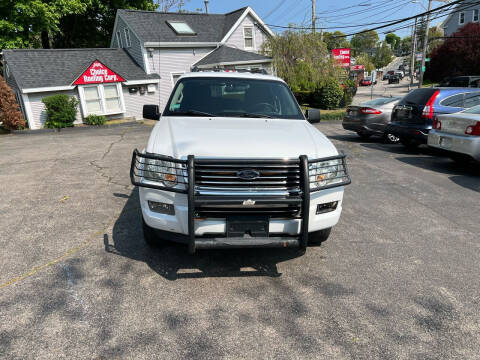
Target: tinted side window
453,101
459,82
471,99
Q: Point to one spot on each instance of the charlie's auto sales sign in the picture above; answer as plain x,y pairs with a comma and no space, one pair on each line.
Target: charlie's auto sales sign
341,56
97,73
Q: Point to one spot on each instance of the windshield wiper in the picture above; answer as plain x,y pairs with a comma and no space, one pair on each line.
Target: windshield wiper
193,113
247,115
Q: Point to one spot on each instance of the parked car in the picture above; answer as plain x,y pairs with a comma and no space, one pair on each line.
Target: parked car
458,133
395,79
461,81
412,117
400,74
365,82
234,163
386,76
371,118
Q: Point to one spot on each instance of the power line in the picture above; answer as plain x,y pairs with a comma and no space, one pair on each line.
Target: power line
274,9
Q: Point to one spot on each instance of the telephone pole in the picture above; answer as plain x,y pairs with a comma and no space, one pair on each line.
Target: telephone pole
413,51
313,16
425,44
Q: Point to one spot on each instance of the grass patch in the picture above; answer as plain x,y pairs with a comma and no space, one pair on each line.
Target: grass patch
335,114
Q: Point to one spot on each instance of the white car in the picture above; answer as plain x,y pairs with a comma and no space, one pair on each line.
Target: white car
234,163
458,133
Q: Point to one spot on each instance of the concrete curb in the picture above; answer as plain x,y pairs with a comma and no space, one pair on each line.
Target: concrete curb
74,129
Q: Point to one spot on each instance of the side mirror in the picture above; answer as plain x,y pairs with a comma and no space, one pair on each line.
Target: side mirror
313,116
151,112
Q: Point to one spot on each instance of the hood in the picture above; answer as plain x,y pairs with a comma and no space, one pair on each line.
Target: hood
237,138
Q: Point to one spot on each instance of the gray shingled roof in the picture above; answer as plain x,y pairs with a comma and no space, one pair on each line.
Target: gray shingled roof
227,54
151,26
34,68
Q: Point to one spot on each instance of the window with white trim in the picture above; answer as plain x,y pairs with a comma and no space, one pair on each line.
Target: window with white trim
248,37
128,42
461,18
475,15
102,99
119,40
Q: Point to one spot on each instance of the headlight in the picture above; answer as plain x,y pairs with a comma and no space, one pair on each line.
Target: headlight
325,173
166,172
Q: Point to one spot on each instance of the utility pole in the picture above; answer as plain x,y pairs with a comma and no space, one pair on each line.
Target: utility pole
425,43
413,51
313,16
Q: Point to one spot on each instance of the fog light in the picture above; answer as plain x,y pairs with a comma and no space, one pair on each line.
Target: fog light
161,208
327,207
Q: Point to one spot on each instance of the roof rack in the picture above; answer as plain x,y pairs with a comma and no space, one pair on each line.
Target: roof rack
218,69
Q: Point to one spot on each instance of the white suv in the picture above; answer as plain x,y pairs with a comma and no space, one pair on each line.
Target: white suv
234,163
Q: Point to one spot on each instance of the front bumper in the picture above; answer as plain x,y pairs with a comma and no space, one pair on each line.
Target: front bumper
412,132
463,144
189,224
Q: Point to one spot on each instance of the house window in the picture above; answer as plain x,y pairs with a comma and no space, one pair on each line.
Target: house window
119,40
248,36
461,18
475,15
128,42
102,99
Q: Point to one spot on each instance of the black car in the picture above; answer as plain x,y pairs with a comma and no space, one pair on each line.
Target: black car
461,81
394,79
412,117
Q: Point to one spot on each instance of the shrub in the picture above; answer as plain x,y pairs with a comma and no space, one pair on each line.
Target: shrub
350,89
329,95
95,120
10,113
61,110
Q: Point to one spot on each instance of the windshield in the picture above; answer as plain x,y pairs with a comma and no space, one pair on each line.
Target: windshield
232,97
473,110
380,101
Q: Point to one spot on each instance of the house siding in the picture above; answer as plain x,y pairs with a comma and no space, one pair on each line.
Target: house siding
136,48
237,40
166,61
452,25
134,102
38,108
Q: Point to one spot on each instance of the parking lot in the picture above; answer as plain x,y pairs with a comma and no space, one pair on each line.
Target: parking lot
398,278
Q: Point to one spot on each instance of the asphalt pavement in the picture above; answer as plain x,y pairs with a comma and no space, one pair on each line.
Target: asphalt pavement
398,278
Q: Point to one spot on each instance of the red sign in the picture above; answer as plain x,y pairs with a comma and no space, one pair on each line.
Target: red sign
342,56
357,67
97,73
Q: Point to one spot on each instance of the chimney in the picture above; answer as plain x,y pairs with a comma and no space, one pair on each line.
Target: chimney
206,6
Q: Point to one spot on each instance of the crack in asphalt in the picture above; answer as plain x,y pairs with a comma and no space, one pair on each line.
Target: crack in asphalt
101,169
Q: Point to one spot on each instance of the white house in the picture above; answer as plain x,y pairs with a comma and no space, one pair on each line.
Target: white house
149,51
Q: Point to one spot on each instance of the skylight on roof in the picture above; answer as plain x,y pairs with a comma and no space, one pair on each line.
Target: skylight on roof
181,28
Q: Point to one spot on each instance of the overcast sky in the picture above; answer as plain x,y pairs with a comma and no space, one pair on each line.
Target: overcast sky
331,13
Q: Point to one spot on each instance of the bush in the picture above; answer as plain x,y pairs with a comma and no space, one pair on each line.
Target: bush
61,110
95,120
329,95
350,89
10,113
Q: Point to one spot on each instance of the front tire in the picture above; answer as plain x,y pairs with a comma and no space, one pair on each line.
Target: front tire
318,237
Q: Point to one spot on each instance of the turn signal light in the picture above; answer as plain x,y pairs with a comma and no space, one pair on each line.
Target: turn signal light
370,111
473,129
437,124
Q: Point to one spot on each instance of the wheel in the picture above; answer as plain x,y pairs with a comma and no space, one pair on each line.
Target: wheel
392,139
364,136
149,235
410,145
318,237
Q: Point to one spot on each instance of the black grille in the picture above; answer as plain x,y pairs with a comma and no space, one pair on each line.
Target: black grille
226,175
272,211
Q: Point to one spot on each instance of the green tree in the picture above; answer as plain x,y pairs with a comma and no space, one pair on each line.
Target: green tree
393,40
335,40
365,60
301,59
406,45
435,38
383,56
364,42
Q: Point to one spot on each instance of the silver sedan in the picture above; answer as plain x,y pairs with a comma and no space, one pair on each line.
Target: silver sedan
371,118
458,133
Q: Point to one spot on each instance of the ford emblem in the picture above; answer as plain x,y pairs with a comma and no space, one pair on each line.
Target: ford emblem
248,174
